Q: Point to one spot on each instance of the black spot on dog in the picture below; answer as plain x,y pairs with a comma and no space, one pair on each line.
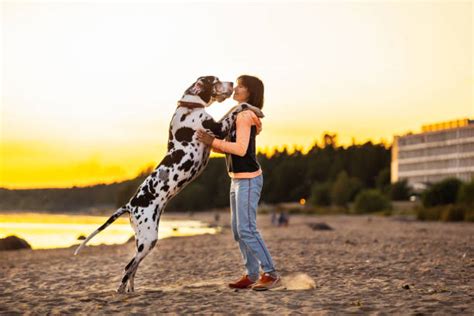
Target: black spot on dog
192,155
129,264
125,278
143,200
180,183
184,144
186,165
143,197
200,115
155,213
172,158
213,126
153,243
184,134
140,248
175,177
170,146
146,219
193,173
165,188
183,117
151,188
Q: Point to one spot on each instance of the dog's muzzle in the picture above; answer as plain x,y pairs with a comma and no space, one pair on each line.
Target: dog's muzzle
223,90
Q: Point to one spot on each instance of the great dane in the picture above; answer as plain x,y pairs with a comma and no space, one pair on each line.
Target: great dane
185,159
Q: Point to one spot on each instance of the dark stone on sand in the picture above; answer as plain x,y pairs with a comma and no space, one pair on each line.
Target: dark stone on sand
13,243
320,226
350,242
82,237
406,286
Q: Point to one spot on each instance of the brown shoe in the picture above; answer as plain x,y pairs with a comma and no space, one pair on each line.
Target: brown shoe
243,283
267,282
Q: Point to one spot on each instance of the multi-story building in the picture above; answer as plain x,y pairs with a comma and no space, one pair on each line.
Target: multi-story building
440,151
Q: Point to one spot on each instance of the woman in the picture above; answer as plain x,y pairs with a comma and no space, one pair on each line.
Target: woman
246,186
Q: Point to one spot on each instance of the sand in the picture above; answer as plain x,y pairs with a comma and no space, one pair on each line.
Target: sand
366,265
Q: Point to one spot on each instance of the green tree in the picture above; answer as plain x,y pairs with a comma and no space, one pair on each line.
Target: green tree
399,191
370,201
441,193
466,193
340,191
321,194
382,182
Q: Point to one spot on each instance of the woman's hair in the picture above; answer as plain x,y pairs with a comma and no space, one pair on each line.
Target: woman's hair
255,88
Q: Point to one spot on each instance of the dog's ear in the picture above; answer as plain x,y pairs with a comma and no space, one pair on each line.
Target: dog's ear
203,88
208,83
195,88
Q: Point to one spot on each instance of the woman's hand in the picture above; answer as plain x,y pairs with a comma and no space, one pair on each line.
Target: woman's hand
204,137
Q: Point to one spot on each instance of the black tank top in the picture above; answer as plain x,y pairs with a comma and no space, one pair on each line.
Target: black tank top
247,163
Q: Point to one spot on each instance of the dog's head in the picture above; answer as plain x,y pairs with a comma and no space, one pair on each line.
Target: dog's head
209,89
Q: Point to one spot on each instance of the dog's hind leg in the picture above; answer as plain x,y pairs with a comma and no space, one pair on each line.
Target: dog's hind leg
145,241
131,280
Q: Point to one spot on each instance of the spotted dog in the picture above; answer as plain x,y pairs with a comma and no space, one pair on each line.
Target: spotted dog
185,160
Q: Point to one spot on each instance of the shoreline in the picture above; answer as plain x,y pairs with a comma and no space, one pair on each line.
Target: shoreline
32,228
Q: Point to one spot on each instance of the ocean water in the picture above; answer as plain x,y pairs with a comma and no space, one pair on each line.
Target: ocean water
44,231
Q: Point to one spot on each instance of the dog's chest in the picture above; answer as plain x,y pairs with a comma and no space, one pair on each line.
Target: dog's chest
183,127
190,118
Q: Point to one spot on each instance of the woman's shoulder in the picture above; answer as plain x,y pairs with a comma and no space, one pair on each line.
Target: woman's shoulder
254,109
246,114
248,118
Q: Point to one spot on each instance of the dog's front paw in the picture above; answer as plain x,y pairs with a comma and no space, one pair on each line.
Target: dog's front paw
254,109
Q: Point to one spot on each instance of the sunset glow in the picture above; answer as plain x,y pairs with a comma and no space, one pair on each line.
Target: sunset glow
88,89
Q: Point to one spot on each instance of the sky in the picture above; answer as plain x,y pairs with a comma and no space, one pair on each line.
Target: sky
88,88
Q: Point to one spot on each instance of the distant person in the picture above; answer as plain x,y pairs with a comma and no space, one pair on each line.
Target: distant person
246,186
274,218
283,219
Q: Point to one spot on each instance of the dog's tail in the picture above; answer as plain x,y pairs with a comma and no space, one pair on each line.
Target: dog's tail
112,219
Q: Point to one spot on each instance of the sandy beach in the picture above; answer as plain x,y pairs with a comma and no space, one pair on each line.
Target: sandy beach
366,265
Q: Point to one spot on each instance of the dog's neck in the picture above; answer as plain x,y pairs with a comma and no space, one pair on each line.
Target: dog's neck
192,99
190,105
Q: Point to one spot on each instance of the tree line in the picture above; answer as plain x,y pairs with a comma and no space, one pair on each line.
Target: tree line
326,174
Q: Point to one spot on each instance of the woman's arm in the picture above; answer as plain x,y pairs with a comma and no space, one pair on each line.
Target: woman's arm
243,123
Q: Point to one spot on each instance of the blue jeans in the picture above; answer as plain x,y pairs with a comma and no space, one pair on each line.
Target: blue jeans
244,197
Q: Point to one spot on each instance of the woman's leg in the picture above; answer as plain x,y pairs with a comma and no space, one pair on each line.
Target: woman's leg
247,193
249,259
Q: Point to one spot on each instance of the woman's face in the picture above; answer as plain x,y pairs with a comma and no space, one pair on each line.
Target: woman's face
241,93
